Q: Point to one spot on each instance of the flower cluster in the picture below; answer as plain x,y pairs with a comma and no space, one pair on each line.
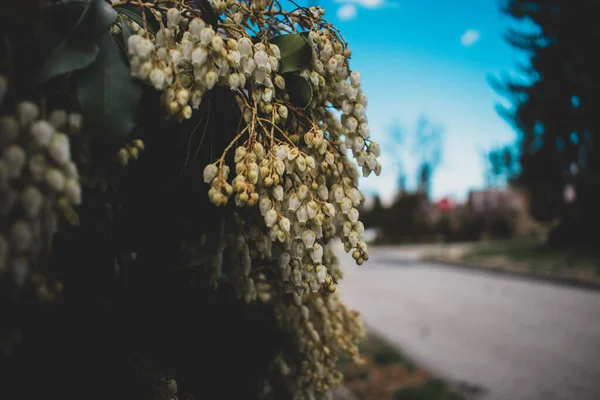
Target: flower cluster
38,184
287,168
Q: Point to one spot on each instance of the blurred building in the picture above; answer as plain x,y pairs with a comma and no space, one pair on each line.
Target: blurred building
495,200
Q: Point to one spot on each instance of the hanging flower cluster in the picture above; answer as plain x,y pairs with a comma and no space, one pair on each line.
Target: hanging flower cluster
289,71
39,183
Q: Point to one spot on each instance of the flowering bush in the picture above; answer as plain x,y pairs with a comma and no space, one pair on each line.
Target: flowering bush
157,151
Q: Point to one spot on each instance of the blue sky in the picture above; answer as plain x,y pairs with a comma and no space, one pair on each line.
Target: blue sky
429,57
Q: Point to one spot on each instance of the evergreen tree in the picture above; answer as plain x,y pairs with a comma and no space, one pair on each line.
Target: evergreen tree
556,109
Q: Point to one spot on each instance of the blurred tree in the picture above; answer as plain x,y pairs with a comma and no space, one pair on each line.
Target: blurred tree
428,150
556,109
502,165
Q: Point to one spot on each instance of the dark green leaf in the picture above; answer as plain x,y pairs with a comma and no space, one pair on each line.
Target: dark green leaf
299,89
296,52
134,12
68,35
126,30
208,14
109,97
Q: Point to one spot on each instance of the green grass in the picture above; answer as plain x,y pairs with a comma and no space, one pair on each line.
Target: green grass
537,255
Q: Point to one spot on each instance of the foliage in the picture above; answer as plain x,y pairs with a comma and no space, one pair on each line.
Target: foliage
554,107
131,264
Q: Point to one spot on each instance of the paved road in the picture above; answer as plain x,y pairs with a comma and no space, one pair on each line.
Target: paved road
518,339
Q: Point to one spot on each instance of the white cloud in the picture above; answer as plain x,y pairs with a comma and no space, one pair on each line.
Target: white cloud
346,12
364,3
469,38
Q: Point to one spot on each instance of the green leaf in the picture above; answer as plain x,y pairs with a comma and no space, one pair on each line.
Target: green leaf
208,14
134,12
109,97
299,89
296,52
69,33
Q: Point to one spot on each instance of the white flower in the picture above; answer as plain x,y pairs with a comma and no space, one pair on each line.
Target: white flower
358,144
282,152
210,172
296,277
351,124
308,238
245,46
282,111
284,224
374,148
353,215
60,149
273,64
195,27
359,110
144,48
353,238
132,43
347,228
371,161
323,192
260,74
364,130
55,179
284,259
173,17
217,43
21,235
347,106
206,35
360,229
27,112
248,66
321,273
278,192
354,195
42,132
302,215
280,82
293,202
264,205
275,51
15,158
73,191
329,210
316,254
345,205
270,217
58,118
210,79
311,209
302,192
234,81
338,193
158,78
234,57
75,122
352,92
199,56
355,78
267,95
262,59
32,198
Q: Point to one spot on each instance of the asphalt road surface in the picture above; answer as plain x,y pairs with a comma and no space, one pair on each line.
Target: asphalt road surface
513,338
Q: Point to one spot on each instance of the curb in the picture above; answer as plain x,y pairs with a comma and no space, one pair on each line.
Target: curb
502,270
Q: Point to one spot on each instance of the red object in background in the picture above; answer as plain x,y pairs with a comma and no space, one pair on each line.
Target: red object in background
444,205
